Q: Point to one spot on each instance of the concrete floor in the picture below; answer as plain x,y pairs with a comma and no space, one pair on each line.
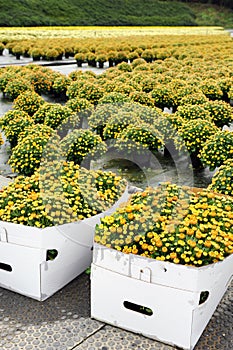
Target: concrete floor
63,322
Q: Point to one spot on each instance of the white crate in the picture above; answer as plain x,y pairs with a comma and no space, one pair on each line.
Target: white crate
23,251
171,291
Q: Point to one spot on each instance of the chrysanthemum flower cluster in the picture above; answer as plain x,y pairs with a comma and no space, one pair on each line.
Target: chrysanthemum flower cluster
59,193
171,223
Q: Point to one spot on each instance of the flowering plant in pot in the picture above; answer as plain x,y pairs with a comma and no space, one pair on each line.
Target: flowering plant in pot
163,96
171,223
148,55
118,122
101,58
77,195
217,149
149,83
52,54
114,97
138,138
191,112
60,85
220,111
80,58
53,114
18,51
29,102
81,146
193,135
222,181
27,154
41,79
13,123
92,91
35,53
125,67
133,56
142,98
211,89
98,119
180,90
139,142
196,98
5,77
82,107
126,89
16,86
91,59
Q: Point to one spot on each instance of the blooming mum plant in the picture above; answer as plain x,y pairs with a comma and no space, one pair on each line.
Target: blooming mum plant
13,123
26,155
43,200
82,107
194,134
168,125
221,112
100,116
222,181
139,138
171,223
60,85
114,97
82,144
163,96
54,114
90,90
29,102
142,98
16,86
190,112
118,122
211,89
197,98
217,149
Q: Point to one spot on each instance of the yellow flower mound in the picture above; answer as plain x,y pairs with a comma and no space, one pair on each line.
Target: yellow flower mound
59,193
222,181
217,149
171,223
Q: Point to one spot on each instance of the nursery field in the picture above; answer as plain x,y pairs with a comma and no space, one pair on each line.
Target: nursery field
164,99
163,108
108,31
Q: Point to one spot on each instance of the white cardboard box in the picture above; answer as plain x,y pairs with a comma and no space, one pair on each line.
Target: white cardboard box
172,292
23,254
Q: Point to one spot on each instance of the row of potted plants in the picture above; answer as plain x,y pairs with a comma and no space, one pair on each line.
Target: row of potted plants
191,126
116,50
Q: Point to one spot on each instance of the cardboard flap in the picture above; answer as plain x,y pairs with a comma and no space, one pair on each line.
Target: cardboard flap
3,234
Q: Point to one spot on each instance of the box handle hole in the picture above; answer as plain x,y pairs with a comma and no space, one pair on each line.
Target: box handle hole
51,254
5,267
203,297
138,308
